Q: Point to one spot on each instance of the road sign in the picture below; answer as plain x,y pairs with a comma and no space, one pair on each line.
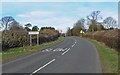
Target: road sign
33,32
81,31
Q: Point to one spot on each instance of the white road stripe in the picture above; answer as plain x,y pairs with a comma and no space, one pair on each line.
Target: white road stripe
57,49
47,50
66,51
75,42
42,67
73,45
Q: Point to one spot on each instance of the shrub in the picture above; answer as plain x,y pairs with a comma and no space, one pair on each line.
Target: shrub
11,39
110,37
14,38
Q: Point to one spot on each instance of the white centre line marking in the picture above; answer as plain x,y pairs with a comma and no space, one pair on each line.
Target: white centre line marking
75,42
73,45
42,67
66,51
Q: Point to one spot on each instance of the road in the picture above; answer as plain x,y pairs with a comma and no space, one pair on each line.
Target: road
73,55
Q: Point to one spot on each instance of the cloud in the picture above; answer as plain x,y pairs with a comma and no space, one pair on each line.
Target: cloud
36,14
57,22
104,13
51,18
62,16
110,14
85,11
47,18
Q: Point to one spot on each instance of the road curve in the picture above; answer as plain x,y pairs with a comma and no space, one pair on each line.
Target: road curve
73,55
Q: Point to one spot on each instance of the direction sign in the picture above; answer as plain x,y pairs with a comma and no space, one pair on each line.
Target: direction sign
33,32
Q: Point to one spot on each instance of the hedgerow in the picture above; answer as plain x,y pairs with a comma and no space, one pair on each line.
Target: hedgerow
12,39
111,38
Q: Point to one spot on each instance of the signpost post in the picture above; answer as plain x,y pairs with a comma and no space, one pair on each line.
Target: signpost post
34,33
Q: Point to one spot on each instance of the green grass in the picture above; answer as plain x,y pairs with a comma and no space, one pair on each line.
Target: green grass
15,53
108,56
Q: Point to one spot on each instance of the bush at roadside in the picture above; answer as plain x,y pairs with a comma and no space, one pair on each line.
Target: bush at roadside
110,37
14,38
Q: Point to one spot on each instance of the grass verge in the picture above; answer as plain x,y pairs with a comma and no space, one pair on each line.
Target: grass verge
15,53
108,56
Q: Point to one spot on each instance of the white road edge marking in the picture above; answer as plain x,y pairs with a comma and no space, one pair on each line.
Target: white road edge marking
42,66
66,51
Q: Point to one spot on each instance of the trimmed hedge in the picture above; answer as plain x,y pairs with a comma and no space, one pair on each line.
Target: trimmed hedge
111,38
12,39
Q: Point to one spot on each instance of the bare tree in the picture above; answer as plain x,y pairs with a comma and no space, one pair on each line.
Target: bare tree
1,25
94,16
93,19
5,21
80,24
110,22
15,26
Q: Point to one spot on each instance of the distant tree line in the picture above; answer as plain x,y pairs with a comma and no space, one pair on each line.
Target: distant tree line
103,30
51,28
93,24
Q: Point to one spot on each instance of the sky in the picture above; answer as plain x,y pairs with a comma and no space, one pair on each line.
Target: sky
60,15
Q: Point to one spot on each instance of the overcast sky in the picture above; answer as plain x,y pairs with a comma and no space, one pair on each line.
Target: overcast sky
57,14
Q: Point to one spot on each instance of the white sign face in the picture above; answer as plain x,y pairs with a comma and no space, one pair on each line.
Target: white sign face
33,32
81,31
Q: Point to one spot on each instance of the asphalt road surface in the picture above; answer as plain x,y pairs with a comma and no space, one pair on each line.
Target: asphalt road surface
73,55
